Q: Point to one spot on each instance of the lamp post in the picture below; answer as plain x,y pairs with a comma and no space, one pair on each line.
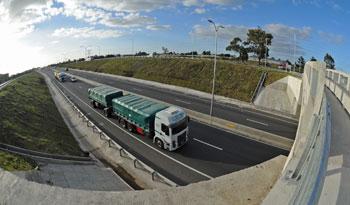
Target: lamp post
214,75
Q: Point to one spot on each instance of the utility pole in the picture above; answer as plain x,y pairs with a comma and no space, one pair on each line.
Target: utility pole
295,44
192,45
265,52
132,46
214,75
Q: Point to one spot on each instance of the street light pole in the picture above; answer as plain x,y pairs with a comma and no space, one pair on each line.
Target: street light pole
214,75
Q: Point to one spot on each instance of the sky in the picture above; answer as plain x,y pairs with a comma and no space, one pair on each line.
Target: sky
40,32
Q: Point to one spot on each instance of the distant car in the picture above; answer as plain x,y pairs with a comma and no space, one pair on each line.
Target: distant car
73,79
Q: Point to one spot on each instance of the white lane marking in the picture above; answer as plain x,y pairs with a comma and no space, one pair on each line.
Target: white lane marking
188,103
210,145
175,160
261,123
136,89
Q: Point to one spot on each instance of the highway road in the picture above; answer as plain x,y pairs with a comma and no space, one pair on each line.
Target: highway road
210,152
251,118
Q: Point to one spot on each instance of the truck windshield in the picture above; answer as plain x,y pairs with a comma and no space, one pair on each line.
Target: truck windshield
178,128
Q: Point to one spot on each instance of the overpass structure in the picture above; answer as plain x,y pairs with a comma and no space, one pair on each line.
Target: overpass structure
315,172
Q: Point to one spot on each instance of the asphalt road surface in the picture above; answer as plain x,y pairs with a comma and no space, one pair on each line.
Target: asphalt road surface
251,118
209,153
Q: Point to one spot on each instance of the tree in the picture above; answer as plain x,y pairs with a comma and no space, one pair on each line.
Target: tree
313,59
258,40
165,50
240,47
301,64
330,63
206,53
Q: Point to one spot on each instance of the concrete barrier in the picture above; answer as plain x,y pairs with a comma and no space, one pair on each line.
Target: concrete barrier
245,187
302,178
339,83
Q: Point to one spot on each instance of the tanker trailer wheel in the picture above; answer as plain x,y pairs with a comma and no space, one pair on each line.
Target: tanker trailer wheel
93,104
130,127
123,123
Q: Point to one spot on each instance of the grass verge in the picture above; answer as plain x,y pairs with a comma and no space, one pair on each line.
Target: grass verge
30,119
12,162
233,80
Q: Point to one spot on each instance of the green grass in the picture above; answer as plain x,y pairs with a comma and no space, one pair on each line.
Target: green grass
12,162
234,80
30,119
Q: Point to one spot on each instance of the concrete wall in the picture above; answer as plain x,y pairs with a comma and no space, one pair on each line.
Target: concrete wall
248,186
339,83
302,177
282,95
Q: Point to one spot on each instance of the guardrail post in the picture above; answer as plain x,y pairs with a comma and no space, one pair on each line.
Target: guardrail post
135,161
153,175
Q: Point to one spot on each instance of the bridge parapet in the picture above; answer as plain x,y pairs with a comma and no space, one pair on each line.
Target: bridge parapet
339,83
303,175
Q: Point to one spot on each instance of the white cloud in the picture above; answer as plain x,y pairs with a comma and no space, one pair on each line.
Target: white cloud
86,32
158,27
331,37
121,5
229,32
200,10
283,43
129,20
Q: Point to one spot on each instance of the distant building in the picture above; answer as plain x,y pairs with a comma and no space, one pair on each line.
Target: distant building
285,66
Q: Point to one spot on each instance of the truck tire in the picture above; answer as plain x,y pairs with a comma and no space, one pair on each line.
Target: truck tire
130,127
123,123
93,104
107,112
159,143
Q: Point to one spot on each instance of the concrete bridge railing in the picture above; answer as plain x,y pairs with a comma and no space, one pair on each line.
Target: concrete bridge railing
339,83
302,178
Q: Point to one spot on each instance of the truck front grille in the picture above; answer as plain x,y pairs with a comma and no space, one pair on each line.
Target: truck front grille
181,139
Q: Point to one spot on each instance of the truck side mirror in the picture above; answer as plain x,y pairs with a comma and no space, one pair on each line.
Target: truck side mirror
188,119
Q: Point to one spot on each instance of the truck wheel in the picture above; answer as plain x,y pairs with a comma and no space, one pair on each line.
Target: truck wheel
159,143
107,112
123,123
130,127
93,104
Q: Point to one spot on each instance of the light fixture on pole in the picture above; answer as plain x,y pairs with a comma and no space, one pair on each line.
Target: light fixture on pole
214,75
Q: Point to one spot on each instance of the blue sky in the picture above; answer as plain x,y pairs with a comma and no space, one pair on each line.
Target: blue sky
40,32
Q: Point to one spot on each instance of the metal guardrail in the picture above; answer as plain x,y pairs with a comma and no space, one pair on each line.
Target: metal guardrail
36,154
138,164
259,86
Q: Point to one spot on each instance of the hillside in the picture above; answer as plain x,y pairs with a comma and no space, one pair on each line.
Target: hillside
233,80
30,119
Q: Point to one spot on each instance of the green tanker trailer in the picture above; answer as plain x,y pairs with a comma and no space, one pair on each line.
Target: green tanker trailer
166,125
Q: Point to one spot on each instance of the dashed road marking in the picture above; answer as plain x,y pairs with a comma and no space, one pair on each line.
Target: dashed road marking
181,101
137,89
206,143
257,122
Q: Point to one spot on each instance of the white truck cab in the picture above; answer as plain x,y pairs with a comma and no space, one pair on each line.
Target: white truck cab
171,128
